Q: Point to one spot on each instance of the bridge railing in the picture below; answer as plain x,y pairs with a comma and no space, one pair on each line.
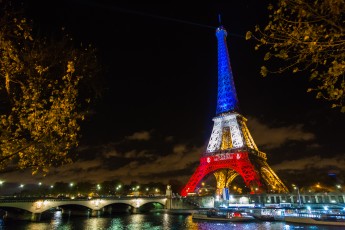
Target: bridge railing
33,199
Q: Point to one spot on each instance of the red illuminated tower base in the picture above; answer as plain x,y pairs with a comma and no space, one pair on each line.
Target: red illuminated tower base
235,161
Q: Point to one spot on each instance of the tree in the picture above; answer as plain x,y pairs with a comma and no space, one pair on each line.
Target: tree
41,100
109,187
85,187
61,188
308,36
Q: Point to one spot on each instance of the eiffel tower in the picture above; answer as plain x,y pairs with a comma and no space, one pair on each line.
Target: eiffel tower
231,150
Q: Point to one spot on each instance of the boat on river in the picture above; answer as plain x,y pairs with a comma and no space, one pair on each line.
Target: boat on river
317,219
223,215
269,214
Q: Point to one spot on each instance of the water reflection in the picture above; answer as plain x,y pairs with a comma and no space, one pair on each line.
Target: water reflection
116,223
153,221
56,220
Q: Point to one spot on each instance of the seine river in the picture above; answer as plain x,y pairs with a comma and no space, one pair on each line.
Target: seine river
152,221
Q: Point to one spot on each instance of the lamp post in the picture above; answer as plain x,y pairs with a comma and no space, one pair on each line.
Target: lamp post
71,188
299,196
339,187
40,190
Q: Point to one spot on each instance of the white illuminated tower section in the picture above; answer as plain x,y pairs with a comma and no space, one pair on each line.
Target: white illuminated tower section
227,105
231,150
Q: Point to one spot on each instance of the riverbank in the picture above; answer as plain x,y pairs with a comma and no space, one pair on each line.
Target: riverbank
177,211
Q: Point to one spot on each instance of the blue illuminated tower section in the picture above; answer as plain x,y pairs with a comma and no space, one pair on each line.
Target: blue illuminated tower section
227,98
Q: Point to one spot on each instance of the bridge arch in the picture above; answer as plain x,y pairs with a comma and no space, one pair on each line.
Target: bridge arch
42,205
223,173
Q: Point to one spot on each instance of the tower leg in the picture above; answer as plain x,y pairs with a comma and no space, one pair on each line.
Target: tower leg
194,180
221,181
224,177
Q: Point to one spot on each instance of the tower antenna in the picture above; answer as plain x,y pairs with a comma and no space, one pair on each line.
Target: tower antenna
219,20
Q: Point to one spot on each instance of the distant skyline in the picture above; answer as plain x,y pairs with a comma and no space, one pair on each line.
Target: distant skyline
155,117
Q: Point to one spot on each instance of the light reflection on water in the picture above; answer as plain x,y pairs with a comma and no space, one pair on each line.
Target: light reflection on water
154,221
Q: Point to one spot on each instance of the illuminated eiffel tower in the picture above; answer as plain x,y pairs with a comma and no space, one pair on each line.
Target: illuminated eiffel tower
231,150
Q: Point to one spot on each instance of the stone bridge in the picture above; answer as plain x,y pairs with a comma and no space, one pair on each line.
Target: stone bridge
43,204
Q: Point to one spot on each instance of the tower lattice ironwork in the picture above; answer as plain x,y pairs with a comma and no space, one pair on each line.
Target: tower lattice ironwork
231,150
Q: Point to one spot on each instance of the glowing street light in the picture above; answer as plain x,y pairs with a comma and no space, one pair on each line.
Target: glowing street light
21,186
299,196
71,184
118,187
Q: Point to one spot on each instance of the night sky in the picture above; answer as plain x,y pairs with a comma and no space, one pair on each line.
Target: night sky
155,117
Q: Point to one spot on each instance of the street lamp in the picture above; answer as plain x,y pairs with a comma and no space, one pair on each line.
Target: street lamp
339,187
117,189
299,196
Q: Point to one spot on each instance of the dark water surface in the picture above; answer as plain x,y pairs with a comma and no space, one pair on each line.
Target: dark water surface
152,221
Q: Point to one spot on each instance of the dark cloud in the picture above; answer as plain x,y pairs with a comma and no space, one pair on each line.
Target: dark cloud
317,162
140,136
143,165
274,137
